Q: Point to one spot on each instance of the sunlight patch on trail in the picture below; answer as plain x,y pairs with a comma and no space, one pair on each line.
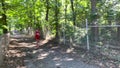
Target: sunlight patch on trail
69,50
43,55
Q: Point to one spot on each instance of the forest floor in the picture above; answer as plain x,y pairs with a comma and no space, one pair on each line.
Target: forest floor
23,54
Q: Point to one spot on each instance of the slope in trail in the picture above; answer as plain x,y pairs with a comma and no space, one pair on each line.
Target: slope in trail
22,54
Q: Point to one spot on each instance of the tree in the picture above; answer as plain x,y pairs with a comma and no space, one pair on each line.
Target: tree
73,11
118,23
47,9
94,30
56,18
4,17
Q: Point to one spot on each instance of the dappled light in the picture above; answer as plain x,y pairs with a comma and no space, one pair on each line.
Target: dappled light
42,56
69,50
68,59
24,55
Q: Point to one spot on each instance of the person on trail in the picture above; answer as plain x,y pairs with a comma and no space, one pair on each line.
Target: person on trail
37,37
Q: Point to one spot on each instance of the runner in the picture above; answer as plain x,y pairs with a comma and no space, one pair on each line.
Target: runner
37,37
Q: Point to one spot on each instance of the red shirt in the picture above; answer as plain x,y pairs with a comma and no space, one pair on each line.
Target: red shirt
37,35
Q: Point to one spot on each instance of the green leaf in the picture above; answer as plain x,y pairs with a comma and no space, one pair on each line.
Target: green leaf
83,3
4,26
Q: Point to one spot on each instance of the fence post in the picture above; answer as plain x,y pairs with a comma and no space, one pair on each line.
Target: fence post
87,37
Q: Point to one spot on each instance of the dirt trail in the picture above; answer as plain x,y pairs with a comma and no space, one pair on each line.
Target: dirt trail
23,54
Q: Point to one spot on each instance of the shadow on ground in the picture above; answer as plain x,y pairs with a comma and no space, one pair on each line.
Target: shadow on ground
23,54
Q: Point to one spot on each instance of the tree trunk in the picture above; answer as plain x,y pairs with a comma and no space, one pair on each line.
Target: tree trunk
118,28
4,17
56,19
64,32
47,9
73,11
65,13
95,30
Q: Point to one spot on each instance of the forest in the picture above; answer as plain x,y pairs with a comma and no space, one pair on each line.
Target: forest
63,19
90,24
